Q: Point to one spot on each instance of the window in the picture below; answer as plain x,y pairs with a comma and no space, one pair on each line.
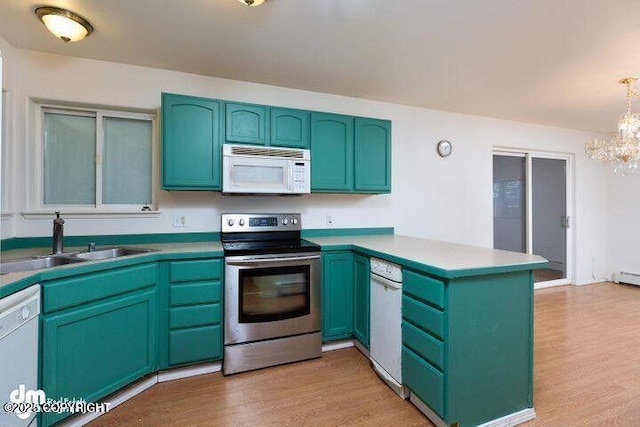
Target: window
96,160
4,143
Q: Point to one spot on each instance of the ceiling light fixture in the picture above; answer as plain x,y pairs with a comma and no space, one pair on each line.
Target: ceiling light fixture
622,151
252,2
65,25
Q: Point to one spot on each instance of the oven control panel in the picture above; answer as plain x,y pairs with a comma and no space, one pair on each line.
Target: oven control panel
237,223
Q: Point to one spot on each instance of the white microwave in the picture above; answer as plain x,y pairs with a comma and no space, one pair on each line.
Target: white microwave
252,169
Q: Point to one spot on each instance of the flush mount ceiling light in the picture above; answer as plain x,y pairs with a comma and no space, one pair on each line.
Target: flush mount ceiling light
65,25
252,2
622,151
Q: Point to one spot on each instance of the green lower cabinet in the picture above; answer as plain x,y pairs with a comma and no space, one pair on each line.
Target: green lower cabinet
337,295
190,325
361,300
195,344
95,349
467,345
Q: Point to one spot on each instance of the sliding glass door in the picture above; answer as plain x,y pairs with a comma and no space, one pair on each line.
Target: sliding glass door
531,209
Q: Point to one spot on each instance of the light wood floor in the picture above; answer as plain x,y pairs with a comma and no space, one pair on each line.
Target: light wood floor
545,274
587,373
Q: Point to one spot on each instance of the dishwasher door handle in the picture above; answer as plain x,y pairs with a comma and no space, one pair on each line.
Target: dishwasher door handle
386,282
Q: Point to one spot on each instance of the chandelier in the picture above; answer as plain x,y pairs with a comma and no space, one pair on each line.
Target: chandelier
622,151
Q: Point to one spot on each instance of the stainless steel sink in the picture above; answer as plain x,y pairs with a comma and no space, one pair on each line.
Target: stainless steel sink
110,252
47,261
37,263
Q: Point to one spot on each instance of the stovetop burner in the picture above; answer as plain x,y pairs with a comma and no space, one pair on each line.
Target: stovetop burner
257,234
269,247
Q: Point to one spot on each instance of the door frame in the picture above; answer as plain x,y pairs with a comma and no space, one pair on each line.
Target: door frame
569,182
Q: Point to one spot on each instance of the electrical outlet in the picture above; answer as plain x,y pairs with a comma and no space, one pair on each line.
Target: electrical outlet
179,220
329,219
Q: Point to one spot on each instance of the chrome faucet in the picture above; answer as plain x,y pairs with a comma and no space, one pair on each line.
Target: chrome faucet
58,234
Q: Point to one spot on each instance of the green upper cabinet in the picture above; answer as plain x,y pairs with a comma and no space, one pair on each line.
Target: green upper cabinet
290,128
191,158
331,152
246,123
348,154
337,295
372,155
361,298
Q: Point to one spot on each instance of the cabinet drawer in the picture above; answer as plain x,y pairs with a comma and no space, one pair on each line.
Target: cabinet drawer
197,315
193,345
197,269
423,344
424,316
194,293
424,288
77,290
424,380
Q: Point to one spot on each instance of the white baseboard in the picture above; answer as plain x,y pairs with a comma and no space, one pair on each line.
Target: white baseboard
337,345
189,371
428,412
138,387
512,419
506,421
591,281
115,400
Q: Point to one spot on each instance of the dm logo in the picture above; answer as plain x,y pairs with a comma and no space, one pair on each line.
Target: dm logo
26,400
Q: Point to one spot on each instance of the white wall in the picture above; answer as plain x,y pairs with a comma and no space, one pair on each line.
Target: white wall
624,223
447,199
9,66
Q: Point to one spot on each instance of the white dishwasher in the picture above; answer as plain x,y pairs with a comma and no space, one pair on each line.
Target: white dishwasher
18,348
386,323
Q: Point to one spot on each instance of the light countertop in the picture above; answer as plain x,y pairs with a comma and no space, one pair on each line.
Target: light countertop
442,258
447,260
162,251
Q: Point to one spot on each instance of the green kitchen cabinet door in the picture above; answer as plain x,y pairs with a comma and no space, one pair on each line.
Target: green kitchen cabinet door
372,155
95,349
331,153
246,123
337,295
361,299
290,128
191,153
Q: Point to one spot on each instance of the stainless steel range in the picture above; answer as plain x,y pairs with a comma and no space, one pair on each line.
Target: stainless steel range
272,292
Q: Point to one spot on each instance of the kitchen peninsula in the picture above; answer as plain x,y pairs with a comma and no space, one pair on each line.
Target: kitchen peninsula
467,342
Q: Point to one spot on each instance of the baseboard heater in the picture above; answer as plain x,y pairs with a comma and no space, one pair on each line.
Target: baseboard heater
629,278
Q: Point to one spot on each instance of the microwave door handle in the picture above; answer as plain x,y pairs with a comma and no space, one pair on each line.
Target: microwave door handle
271,260
290,177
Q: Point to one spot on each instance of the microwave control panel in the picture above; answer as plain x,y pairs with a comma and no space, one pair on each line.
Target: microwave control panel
301,177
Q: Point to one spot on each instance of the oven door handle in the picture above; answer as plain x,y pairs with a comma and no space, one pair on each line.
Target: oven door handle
253,261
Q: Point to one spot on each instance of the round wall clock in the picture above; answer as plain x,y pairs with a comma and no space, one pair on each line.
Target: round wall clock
444,148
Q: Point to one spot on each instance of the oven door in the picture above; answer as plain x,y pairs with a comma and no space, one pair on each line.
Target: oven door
269,296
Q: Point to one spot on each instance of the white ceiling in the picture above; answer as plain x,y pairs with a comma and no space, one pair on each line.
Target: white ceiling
553,62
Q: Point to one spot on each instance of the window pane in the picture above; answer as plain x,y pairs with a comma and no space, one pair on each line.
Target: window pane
69,159
127,161
5,158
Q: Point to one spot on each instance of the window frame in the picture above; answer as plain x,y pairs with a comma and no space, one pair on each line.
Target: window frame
37,205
